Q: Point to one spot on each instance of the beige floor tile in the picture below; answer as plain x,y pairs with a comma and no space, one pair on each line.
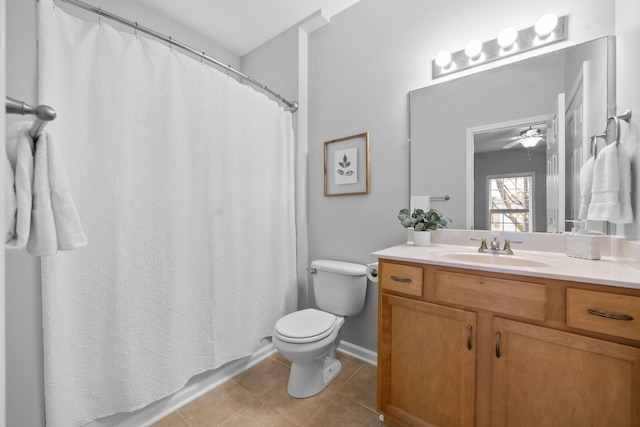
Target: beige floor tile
264,376
349,367
298,411
172,420
361,387
344,412
217,406
259,397
257,415
280,358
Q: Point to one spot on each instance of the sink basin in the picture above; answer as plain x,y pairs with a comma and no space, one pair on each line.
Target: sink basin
490,259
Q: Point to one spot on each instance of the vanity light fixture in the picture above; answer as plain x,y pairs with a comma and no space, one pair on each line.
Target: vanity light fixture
545,25
443,59
547,30
507,40
473,49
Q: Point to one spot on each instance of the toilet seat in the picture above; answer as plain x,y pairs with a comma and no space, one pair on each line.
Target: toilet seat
305,326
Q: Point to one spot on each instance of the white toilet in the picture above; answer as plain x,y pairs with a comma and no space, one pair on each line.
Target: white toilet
308,338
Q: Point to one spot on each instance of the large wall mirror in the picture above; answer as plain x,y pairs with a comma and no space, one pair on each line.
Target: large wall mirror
507,144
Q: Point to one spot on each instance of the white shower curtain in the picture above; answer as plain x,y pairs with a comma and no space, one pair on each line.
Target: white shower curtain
183,178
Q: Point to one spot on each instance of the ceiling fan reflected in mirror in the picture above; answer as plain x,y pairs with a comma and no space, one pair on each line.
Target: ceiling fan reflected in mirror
528,138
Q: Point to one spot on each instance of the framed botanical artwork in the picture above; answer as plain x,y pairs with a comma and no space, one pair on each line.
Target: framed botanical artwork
346,166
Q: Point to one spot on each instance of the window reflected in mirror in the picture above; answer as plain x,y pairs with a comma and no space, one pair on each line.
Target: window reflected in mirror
510,202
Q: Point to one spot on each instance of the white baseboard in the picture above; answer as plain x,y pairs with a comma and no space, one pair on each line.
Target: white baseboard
360,353
196,387
204,383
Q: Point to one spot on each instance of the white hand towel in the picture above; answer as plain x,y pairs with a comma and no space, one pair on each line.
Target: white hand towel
604,204
55,221
19,148
624,196
42,239
586,183
10,202
68,227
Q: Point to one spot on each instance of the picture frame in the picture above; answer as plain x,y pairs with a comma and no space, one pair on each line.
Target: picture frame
346,166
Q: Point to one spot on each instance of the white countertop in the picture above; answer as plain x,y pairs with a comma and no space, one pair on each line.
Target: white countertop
553,265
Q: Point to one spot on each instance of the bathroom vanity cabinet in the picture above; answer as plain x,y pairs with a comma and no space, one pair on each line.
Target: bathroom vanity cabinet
466,347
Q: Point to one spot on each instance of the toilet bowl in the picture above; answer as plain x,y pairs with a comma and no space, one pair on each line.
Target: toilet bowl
313,362
308,338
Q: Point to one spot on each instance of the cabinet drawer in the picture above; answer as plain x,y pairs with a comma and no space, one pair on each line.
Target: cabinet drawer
611,314
401,278
522,299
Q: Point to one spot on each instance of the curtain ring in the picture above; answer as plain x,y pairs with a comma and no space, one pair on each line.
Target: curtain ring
170,44
202,58
135,30
99,16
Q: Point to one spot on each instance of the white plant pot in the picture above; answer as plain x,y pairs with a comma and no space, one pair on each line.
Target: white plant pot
421,238
410,235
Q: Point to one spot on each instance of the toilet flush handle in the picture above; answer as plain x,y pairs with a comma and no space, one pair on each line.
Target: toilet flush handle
312,270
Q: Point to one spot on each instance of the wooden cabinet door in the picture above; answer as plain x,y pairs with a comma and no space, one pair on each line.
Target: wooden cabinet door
545,377
426,363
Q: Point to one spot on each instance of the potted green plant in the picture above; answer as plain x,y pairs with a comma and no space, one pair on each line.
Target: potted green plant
422,222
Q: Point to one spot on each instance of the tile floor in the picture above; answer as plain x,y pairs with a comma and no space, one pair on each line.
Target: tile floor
258,397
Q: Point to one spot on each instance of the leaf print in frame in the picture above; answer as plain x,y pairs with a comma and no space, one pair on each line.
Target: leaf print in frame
346,166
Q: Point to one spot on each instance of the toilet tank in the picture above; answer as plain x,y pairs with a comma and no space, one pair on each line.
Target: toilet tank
339,287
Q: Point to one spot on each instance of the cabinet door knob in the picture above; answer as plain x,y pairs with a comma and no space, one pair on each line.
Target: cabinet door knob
498,345
609,316
469,334
401,279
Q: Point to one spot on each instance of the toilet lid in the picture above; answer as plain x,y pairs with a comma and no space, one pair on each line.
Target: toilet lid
305,325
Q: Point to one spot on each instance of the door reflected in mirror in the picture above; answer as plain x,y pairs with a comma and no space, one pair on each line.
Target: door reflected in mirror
507,144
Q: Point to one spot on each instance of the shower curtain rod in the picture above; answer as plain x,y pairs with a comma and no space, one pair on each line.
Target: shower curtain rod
100,12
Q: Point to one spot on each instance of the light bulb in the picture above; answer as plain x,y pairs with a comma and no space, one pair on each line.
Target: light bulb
545,25
507,37
443,59
530,142
473,49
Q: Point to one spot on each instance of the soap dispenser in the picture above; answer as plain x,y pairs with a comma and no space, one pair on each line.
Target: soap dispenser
580,243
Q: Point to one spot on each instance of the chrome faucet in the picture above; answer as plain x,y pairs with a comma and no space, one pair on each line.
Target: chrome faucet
483,244
494,246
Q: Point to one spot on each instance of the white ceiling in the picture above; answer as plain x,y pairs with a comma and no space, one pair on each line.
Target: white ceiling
240,26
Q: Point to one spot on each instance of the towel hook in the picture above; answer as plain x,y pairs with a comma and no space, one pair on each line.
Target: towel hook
626,116
594,143
616,120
